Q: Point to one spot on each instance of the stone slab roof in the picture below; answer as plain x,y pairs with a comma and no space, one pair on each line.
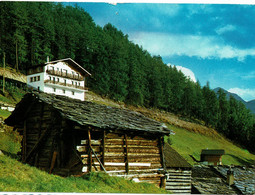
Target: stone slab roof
89,114
173,159
213,152
244,177
208,181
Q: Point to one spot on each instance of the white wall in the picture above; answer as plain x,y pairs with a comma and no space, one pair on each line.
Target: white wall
36,84
49,87
78,94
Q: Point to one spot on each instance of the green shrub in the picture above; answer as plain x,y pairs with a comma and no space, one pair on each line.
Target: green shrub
9,140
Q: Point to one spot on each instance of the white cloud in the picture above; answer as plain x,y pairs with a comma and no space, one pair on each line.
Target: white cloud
187,72
246,94
164,44
250,75
225,29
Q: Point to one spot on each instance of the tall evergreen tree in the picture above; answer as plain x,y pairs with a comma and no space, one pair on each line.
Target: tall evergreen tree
223,113
211,106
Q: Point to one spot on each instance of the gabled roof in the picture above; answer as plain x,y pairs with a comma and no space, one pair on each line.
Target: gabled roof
213,152
88,113
173,159
70,61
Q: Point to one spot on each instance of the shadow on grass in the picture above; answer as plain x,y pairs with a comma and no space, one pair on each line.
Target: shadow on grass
194,159
11,155
243,161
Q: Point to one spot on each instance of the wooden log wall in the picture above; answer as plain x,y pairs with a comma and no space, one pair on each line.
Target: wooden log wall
39,131
124,156
178,181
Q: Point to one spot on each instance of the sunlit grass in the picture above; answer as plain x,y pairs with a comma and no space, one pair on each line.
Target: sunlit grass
189,144
5,113
17,177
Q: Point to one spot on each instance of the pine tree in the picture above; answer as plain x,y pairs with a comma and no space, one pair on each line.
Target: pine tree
223,113
211,106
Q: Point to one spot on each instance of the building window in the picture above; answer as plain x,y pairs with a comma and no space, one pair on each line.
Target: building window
72,82
31,79
38,88
57,79
54,89
54,79
65,82
50,78
64,91
38,78
72,92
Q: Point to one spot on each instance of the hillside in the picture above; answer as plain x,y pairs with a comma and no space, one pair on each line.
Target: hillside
18,177
10,73
190,136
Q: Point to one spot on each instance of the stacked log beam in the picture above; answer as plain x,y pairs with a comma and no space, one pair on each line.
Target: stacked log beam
178,181
125,156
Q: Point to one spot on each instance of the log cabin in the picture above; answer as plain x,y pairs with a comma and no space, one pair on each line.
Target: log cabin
178,172
67,136
213,157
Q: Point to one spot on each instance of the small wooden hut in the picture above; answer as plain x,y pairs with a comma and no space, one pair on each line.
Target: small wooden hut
212,156
71,137
178,172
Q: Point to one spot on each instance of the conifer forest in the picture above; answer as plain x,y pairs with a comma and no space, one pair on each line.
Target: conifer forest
121,70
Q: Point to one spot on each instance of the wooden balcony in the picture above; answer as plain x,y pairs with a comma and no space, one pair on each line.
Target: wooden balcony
65,75
65,84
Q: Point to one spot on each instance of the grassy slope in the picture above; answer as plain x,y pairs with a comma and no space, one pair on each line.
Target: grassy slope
18,177
12,74
190,139
191,136
189,143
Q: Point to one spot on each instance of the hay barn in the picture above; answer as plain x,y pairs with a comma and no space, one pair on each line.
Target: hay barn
71,137
178,172
213,157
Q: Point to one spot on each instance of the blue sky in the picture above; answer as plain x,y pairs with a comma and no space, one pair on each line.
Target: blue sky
216,42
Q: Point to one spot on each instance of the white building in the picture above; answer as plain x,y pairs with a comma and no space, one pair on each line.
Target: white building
60,77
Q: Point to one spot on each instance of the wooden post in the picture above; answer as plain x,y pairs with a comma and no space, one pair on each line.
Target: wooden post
126,153
103,149
161,144
53,160
163,182
89,151
102,166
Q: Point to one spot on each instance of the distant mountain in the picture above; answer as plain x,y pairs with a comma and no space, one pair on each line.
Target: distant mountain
250,105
